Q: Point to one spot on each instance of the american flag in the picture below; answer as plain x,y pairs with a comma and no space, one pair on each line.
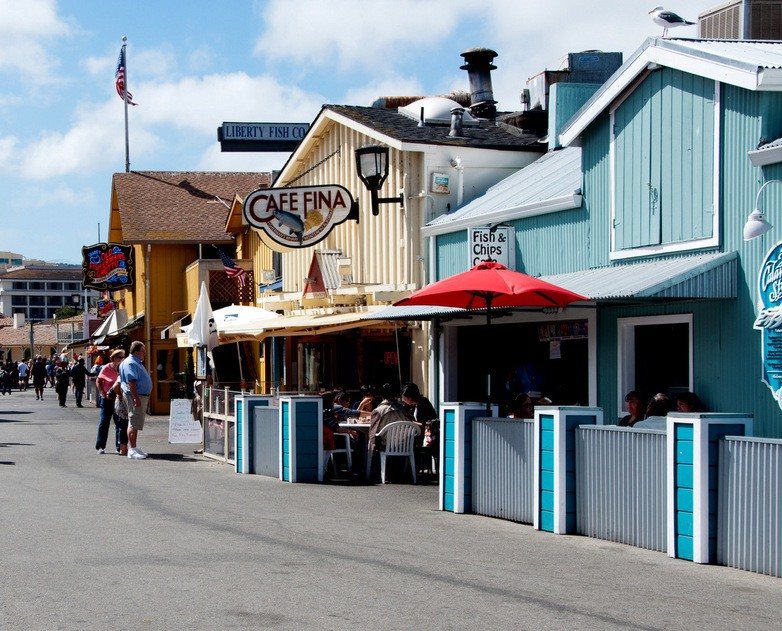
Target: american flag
231,268
119,78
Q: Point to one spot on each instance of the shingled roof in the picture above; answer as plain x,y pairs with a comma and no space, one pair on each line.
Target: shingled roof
489,135
44,335
48,273
180,206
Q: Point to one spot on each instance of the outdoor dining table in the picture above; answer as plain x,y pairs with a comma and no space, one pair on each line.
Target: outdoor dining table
364,429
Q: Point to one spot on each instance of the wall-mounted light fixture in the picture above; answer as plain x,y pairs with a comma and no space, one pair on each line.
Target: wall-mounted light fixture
372,167
756,222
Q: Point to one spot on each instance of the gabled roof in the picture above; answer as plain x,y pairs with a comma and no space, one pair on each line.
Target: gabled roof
179,207
752,65
43,335
403,133
551,183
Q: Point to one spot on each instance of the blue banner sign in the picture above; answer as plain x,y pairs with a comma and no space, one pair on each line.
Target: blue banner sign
769,320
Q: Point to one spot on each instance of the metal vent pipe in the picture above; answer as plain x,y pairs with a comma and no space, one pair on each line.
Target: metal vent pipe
478,64
457,118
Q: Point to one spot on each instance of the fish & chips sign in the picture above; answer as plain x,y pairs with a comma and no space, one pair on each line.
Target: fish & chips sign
299,217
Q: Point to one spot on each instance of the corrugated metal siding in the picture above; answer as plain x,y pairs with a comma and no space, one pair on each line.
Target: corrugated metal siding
597,191
383,248
664,135
742,54
452,255
621,485
503,469
750,505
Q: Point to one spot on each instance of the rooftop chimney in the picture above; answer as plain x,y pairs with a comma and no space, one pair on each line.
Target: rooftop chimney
478,66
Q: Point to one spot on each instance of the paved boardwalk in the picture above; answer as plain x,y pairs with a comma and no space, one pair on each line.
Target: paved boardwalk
178,541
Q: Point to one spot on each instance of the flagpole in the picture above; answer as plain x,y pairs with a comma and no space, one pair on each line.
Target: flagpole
125,98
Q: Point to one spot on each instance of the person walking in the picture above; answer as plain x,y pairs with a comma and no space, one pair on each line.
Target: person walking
23,375
61,382
5,377
136,386
79,378
38,372
106,379
50,367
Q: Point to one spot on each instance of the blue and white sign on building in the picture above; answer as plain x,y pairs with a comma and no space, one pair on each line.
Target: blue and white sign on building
769,320
497,243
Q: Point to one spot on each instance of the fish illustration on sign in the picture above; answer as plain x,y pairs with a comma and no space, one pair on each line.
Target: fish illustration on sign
769,320
291,221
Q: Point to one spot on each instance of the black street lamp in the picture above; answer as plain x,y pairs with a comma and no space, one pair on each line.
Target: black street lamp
372,167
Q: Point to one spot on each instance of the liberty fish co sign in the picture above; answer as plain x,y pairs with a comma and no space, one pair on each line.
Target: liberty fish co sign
261,136
299,217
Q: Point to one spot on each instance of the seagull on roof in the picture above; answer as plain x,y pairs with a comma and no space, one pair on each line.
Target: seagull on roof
667,19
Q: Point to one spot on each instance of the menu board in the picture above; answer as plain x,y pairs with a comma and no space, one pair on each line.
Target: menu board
182,427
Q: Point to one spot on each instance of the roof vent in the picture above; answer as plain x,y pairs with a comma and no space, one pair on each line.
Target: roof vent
434,110
478,64
456,122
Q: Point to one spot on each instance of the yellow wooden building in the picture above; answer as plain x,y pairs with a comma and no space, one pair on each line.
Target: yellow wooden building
174,220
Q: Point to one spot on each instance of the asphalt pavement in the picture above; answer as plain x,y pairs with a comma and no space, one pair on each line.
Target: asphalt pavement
176,541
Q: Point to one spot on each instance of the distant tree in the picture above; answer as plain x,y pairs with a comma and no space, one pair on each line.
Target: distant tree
66,312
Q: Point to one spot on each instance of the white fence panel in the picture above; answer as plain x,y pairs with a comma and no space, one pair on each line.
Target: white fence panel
621,485
502,473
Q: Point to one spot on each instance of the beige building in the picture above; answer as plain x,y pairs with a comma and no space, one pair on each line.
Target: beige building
331,288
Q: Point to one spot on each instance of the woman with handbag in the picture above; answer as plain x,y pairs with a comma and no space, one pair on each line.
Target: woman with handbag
105,381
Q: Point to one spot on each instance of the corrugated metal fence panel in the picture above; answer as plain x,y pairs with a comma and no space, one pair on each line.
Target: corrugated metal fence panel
749,514
621,485
502,469
266,446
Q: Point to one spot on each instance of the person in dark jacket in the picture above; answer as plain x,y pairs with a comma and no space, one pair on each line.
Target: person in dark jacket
61,382
79,378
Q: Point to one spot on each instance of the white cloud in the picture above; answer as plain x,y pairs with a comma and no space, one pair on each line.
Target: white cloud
354,33
62,195
25,28
7,149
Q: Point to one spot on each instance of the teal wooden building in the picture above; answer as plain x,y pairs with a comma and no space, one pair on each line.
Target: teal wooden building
640,205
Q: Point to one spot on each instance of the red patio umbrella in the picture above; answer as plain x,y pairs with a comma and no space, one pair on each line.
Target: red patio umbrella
490,285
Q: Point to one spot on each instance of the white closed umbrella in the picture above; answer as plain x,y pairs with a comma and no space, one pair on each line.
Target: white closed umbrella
203,331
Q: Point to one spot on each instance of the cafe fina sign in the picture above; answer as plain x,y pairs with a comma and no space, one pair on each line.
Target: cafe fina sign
769,320
299,217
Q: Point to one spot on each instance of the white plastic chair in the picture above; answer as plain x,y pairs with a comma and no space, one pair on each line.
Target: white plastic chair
400,441
329,453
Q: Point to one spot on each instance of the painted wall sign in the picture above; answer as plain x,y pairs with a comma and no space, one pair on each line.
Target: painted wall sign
769,320
107,266
499,245
299,217
261,136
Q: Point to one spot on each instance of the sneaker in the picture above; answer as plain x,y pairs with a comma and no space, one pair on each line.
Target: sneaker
142,452
135,454
101,451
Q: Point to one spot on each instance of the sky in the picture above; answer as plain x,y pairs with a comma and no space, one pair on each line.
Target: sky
192,65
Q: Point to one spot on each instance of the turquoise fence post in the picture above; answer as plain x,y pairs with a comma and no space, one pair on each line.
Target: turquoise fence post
555,465
693,458
456,454
301,439
245,409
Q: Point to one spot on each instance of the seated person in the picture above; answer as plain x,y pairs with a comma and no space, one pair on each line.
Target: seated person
370,399
418,405
342,410
389,411
522,407
333,415
635,407
689,402
659,405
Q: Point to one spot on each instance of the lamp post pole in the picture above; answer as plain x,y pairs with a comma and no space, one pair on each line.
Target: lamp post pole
32,339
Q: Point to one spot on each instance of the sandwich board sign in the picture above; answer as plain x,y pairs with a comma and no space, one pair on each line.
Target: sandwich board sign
182,427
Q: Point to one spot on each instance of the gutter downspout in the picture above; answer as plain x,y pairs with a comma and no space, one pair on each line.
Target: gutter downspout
147,314
459,182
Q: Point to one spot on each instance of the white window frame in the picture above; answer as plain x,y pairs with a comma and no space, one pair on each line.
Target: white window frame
625,358
665,248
